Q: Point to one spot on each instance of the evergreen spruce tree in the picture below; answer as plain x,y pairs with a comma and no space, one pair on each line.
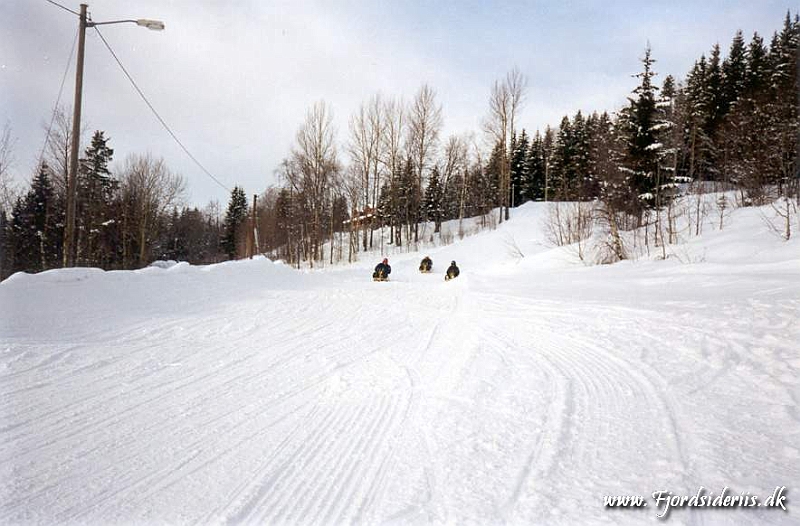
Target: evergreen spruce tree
596,125
385,209
408,195
6,254
699,142
734,69
639,134
668,88
533,184
483,189
434,194
19,239
184,239
235,217
579,163
668,128
714,111
756,67
172,244
36,228
714,91
389,205
96,189
519,168
451,197
561,165
490,188
782,107
605,154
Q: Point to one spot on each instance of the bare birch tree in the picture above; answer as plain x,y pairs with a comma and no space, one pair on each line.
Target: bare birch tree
505,101
393,155
311,169
367,127
424,125
8,191
57,148
455,172
148,190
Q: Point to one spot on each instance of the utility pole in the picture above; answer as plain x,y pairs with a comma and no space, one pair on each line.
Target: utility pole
546,178
253,231
72,177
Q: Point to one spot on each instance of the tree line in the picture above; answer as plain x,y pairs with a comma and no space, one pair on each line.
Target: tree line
123,220
732,123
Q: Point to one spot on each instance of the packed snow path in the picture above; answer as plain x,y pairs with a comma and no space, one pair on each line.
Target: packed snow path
520,393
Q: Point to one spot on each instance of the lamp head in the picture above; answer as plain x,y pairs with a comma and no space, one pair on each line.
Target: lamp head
155,25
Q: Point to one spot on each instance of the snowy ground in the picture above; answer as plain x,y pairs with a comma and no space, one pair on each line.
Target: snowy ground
521,393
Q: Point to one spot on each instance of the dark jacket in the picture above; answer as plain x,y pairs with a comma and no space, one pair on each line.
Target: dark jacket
383,269
426,264
452,271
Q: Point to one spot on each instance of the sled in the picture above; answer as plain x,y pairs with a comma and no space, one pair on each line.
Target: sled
376,278
423,271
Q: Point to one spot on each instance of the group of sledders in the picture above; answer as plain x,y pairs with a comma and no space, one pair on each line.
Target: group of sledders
383,269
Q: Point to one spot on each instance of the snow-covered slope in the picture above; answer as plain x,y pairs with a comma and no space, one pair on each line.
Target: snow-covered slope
522,393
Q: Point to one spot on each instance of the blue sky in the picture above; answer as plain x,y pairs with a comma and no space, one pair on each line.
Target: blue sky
234,79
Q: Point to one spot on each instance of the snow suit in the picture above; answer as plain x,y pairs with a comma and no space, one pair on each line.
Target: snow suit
452,271
382,271
426,264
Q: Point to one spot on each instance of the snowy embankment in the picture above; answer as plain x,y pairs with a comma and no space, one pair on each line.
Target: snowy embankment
522,393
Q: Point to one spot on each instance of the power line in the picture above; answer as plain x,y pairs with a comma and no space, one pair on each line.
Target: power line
62,7
58,100
163,123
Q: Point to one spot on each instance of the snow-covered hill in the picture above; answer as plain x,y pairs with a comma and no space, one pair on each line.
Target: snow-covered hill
523,392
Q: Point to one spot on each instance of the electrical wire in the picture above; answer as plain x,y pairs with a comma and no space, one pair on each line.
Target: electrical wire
161,120
62,7
58,100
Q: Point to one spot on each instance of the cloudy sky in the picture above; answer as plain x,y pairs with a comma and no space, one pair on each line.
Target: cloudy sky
234,78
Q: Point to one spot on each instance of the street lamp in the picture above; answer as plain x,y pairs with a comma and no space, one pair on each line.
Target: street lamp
69,230
155,25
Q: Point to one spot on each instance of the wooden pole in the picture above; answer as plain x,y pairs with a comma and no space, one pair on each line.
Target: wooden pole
69,230
253,245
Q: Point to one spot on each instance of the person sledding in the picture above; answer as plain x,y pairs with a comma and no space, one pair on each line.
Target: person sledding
382,271
452,271
426,265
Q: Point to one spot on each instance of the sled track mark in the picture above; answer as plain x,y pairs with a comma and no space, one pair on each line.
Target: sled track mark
315,499
365,513
234,447
171,474
290,494
249,376
356,460
248,495
366,471
556,397
595,384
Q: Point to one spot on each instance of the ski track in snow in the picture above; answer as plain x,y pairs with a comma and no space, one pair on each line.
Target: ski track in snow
493,399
